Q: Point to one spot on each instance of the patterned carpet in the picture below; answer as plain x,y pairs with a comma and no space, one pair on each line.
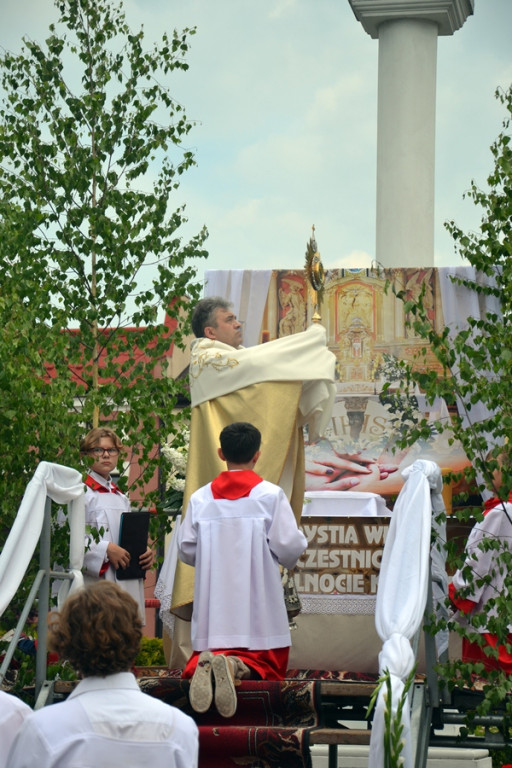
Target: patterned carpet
270,728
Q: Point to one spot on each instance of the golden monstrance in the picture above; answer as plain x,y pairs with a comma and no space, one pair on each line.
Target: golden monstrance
316,276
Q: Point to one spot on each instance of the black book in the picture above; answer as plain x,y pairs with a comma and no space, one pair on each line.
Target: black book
133,536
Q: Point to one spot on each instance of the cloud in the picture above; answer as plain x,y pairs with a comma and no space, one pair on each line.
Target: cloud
353,259
281,8
285,95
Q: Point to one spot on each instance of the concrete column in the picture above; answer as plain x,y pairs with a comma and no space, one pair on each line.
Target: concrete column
407,31
405,143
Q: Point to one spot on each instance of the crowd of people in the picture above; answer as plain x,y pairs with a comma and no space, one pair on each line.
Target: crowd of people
239,526
250,528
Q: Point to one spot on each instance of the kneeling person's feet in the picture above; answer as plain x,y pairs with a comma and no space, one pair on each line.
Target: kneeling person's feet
201,693
225,694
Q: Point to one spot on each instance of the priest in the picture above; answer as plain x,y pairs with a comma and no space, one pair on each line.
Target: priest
280,387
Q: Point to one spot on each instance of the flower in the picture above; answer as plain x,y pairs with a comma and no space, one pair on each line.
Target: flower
176,455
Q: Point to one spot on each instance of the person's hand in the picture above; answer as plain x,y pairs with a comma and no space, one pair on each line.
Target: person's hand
323,476
386,469
146,559
328,469
350,463
119,557
368,482
333,474
337,464
325,482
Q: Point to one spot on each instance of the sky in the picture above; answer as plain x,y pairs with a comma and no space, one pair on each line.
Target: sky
284,96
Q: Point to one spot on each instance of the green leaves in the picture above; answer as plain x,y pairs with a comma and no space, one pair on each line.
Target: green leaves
91,151
476,370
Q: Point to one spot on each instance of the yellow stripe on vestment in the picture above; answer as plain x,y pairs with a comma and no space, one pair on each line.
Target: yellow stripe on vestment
273,408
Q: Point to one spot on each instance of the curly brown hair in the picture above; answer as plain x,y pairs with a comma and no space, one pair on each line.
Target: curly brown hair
92,439
98,630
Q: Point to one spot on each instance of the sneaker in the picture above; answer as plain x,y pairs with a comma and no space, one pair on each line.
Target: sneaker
200,692
225,694
241,671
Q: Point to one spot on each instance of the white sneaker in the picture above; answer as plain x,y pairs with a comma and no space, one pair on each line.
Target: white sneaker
200,692
225,694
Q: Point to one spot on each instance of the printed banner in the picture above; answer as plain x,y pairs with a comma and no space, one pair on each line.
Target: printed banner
343,555
368,331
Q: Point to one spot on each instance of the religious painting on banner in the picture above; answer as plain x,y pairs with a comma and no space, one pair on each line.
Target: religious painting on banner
368,331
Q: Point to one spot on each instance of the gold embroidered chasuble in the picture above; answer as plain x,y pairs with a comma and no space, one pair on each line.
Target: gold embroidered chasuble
245,385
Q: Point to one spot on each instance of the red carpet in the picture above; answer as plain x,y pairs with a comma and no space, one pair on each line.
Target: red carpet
270,728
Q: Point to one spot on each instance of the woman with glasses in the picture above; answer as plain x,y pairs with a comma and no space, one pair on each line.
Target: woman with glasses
104,504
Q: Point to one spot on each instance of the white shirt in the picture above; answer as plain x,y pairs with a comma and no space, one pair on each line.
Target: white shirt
236,546
486,562
13,712
106,722
103,511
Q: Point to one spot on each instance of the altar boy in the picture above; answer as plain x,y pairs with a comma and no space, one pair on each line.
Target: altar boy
236,532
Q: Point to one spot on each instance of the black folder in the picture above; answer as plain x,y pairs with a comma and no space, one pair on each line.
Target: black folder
133,536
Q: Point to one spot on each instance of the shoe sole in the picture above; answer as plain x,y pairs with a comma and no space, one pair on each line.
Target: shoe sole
200,692
225,694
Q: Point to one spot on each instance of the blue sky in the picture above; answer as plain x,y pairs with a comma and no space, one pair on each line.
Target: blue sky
284,93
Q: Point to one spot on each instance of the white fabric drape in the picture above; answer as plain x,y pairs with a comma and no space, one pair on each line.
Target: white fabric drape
402,594
300,357
247,290
165,583
62,485
459,303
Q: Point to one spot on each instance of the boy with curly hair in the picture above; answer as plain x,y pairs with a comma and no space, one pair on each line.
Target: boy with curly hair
107,720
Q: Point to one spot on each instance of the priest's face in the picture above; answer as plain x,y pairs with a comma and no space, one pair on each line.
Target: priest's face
226,329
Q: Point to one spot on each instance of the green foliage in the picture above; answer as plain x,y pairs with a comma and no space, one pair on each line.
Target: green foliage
91,154
475,369
393,726
151,652
500,757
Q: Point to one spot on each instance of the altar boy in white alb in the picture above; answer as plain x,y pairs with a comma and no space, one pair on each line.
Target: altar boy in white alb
236,532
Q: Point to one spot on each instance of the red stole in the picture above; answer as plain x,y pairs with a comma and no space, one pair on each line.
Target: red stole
491,503
235,485
95,486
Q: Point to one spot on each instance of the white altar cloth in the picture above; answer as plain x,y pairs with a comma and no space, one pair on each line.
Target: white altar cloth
338,631
343,504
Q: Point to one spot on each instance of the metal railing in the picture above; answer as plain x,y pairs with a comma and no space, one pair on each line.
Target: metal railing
40,589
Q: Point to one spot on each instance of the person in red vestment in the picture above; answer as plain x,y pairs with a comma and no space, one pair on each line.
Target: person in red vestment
472,596
237,530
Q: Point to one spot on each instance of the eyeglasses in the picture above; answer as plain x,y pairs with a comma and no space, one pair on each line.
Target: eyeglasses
101,451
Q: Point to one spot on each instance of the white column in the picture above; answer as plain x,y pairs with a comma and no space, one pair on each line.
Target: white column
406,143
407,31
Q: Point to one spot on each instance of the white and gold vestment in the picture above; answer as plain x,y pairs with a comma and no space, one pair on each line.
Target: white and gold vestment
279,387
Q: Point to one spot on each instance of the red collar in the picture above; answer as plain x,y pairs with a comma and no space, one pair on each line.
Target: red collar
235,485
95,486
491,503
